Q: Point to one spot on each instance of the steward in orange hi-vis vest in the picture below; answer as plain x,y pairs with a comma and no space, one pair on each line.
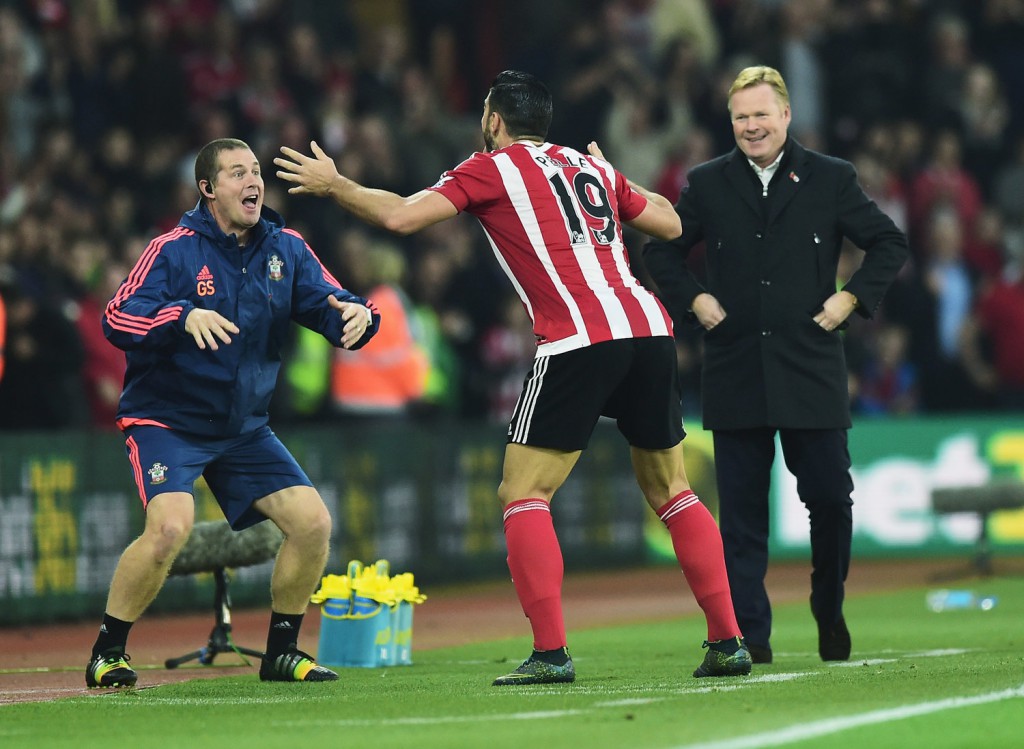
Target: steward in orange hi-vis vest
390,372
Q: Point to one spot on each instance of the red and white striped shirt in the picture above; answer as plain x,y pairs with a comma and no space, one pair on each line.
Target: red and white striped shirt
553,217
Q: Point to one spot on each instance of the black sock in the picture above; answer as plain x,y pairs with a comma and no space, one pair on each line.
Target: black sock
556,657
729,646
113,634
284,632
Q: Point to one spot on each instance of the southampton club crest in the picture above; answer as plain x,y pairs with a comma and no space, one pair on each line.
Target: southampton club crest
275,264
158,473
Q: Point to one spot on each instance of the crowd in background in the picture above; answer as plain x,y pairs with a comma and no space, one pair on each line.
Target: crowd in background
103,105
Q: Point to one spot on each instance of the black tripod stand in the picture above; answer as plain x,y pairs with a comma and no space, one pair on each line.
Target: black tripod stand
220,636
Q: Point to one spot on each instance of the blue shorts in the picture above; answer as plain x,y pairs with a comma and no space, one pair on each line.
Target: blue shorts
238,470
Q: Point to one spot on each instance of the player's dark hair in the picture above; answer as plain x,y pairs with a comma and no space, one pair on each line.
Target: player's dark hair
523,102
206,159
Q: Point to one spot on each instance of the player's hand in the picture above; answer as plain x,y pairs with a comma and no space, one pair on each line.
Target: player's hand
594,150
356,317
309,175
206,326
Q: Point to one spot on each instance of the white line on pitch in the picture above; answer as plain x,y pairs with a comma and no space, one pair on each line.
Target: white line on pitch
818,728
160,700
432,720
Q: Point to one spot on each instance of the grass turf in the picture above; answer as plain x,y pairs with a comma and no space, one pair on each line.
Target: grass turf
917,679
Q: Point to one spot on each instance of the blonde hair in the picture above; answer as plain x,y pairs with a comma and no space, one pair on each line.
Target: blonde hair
755,76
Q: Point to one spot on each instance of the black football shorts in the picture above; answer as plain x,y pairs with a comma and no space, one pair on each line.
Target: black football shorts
633,381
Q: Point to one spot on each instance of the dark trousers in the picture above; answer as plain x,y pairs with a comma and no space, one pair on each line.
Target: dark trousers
820,461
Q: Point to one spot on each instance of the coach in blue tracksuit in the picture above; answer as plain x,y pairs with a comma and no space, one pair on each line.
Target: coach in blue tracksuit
203,316
773,216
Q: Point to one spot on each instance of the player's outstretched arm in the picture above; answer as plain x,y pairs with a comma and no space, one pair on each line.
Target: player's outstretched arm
659,218
317,175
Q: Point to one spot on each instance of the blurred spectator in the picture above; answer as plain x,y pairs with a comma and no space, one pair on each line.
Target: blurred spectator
946,73
21,64
948,278
882,186
672,20
870,59
428,139
42,384
3,333
985,248
507,351
96,279
641,126
87,82
263,99
909,152
446,77
589,60
305,391
943,183
935,308
997,326
984,121
1008,195
336,118
430,288
694,148
682,75
750,28
887,381
631,25
118,159
388,376
215,68
305,394
374,145
1000,33
153,76
383,56
304,67
803,27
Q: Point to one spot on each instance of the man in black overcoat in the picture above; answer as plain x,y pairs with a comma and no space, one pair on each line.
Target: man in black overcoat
773,216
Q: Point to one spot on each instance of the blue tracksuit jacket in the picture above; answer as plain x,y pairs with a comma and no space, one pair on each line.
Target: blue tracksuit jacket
261,288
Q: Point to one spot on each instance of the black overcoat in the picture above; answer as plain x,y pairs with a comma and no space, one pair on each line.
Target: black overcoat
772,262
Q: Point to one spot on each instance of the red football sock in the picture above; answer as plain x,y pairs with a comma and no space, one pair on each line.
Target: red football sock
535,561
698,546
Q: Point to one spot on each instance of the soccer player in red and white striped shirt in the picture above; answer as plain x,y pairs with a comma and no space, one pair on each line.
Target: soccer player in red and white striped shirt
554,218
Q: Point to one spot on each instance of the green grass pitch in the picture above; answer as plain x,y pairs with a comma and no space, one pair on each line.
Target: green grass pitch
918,679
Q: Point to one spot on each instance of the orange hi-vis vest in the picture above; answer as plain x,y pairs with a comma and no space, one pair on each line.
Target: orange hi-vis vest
386,374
